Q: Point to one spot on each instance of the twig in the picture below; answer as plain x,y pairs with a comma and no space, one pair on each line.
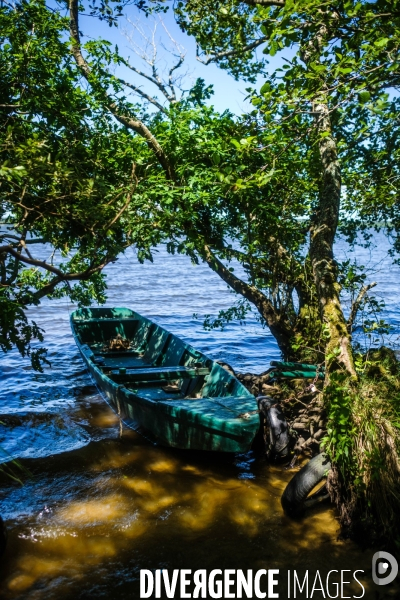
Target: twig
130,194
137,90
219,55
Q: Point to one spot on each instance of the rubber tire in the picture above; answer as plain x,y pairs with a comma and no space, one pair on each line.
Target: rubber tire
294,498
278,427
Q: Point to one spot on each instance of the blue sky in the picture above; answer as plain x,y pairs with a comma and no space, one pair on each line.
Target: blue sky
228,93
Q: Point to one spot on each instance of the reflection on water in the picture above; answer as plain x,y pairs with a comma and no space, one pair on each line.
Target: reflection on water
89,519
103,502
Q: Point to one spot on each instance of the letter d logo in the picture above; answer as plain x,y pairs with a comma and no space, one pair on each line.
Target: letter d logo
387,564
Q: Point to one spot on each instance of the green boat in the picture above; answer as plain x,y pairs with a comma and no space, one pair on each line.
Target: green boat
162,386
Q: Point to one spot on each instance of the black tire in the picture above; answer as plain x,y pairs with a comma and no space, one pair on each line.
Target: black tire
295,499
277,425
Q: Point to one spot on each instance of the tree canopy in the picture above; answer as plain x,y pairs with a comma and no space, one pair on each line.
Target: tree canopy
216,186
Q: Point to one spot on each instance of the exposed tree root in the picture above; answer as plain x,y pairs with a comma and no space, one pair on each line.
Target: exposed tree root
303,409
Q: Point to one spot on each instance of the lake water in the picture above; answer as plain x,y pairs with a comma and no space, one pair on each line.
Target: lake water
101,502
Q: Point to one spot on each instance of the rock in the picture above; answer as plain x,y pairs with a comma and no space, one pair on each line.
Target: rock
268,389
306,415
314,412
299,444
300,426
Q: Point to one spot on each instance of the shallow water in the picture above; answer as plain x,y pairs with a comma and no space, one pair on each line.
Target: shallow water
102,502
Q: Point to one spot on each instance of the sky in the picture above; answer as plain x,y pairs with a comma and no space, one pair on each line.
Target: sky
228,93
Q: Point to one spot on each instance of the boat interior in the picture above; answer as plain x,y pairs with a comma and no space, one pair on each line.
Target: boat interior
154,363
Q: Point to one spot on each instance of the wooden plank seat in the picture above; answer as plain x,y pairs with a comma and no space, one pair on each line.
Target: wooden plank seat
105,320
236,407
158,374
118,362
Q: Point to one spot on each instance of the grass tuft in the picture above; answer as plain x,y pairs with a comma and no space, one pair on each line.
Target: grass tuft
364,442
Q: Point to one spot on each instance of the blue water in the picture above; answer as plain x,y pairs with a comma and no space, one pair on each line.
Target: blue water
169,291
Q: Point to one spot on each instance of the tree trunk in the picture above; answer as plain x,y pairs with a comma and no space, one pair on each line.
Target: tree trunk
323,233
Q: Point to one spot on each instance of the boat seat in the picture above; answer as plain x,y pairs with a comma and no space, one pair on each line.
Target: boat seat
158,374
116,362
105,320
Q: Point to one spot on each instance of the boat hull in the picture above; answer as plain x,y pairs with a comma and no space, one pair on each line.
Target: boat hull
211,411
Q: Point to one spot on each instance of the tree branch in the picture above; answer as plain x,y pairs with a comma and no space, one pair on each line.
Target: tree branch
220,55
277,253
170,79
167,89
156,80
50,287
130,194
144,95
251,293
280,3
15,237
149,77
124,119
47,267
181,59
356,304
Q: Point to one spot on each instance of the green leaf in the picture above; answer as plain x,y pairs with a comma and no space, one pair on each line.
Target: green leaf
265,87
364,96
382,42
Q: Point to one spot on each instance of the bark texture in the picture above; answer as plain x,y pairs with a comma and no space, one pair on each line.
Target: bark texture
323,233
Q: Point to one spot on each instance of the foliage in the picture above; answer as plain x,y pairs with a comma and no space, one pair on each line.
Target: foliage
247,189
237,312
67,177
346,56
364,440
346,51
